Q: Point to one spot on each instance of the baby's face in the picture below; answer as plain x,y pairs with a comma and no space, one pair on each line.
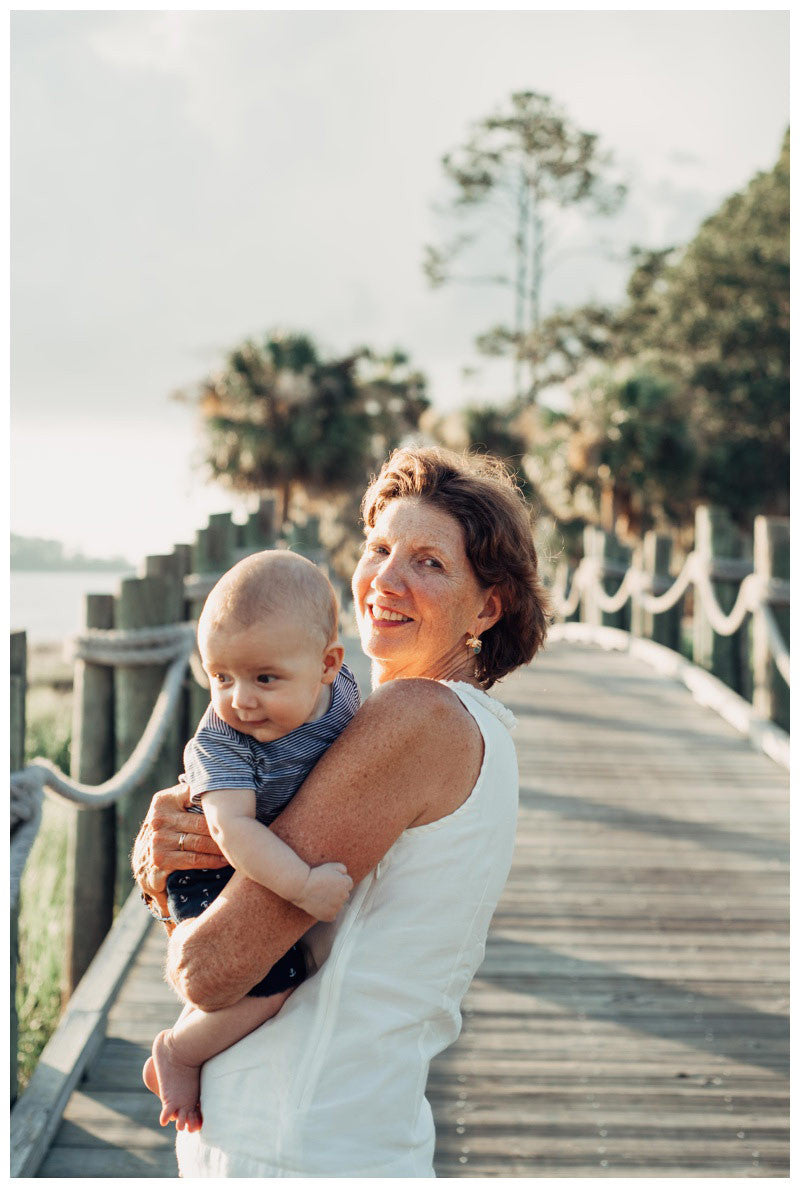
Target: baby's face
267,679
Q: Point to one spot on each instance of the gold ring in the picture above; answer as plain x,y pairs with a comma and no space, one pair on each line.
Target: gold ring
181,840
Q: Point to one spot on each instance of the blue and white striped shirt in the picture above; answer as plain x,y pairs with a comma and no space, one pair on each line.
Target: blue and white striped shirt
220,757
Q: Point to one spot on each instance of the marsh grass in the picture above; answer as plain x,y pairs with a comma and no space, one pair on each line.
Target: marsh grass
42,922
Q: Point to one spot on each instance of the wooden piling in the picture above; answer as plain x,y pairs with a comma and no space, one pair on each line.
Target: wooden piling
655,559
771,561
143,602
722,549
220,543
18,656
91,833
612,558
17,688
213,553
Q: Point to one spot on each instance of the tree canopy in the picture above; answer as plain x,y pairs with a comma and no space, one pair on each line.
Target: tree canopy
520,166
683,391
278,416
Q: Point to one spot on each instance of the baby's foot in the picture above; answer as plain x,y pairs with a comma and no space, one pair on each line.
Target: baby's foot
177,1084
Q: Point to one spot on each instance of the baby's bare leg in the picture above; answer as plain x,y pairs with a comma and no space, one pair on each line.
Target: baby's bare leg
197,1036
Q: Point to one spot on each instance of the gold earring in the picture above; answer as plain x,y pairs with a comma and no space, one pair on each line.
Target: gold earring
474,644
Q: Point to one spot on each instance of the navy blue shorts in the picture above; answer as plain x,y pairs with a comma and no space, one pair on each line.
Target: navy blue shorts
190,892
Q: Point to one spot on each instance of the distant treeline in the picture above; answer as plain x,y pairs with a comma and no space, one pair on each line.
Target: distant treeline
34,553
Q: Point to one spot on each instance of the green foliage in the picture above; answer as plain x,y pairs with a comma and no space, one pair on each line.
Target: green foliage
642,436
42,938
279,416
715,317
42,925
690,402
48,727
491,431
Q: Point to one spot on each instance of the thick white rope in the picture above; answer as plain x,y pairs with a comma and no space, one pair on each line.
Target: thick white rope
748,599
562,605
139,645
135,768
754,594
655,604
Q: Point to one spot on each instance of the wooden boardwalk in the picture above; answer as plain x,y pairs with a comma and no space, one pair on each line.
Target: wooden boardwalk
630,1018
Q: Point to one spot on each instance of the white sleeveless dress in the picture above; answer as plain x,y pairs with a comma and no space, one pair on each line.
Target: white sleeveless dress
334,1085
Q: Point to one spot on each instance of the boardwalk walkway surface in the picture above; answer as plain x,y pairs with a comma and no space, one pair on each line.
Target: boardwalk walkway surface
630,1018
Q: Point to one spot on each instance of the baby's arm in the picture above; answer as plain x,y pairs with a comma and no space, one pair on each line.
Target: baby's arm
257,852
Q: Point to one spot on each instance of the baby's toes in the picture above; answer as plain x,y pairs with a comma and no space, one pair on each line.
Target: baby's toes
194,1119
166,1116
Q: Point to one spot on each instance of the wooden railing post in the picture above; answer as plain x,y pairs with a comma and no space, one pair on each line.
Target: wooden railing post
607,552
173,567
721,548
213,552
91,833
258,531
142,602
655,559
590,611
305,539
17,688
220,542
771,560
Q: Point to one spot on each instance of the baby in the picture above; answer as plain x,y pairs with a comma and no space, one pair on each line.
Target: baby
280,695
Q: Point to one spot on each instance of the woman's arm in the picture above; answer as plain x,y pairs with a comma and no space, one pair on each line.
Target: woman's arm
257,852
411,754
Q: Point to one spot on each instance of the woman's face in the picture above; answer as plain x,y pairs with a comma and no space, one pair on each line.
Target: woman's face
416,595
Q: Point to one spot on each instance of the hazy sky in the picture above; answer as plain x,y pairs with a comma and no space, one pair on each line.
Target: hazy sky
183,179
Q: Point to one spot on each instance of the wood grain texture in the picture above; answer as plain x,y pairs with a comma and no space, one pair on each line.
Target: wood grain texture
630,1018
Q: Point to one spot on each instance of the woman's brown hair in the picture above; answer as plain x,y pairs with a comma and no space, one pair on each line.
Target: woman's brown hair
479,493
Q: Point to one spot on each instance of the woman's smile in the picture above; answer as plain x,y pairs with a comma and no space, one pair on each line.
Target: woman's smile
416,594
384,614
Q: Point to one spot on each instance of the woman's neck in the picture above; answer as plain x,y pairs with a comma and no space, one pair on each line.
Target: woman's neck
451,669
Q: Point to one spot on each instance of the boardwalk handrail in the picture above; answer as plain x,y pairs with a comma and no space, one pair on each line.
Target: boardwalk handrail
756,593
146,646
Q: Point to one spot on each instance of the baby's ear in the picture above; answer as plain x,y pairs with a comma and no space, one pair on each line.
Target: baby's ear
332,660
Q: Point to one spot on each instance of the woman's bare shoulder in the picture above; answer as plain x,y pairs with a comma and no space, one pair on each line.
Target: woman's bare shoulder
413,701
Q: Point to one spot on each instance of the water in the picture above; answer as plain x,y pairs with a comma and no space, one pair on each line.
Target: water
49,605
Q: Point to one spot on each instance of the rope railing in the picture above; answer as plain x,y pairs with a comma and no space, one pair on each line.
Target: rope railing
755,594
172,644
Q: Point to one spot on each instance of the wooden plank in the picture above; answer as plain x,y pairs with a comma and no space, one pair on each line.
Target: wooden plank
37,1113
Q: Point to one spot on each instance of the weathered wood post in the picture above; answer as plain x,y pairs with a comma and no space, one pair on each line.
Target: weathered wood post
172,568
213,553
305,539
721,548
259,530
589,611
612,559
771,562
17,689
91,833
142,602
654,558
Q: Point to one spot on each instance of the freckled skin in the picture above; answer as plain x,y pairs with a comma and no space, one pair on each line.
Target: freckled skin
411,755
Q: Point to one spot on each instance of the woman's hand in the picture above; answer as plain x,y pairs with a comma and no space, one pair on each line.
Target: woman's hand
171,839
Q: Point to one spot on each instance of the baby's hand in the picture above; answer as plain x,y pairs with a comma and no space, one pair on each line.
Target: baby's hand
326,890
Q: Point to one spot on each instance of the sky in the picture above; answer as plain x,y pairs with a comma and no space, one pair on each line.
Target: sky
182,180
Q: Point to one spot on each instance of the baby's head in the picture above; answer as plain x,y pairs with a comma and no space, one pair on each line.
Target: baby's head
268,642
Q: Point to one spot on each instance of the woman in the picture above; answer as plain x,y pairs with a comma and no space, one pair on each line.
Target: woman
418,798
